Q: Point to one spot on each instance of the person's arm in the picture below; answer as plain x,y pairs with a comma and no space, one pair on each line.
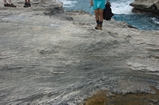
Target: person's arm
91,3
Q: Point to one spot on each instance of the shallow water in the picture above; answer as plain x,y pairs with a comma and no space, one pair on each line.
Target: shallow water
140,98
122,12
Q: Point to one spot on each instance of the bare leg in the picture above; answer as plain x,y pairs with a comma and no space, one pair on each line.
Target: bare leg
27,0
96,12
5,1
101,15
8,4
10,1
27,3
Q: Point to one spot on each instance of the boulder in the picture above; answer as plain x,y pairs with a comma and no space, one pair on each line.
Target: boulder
146,5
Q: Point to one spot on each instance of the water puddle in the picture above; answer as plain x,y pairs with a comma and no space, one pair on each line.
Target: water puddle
140,98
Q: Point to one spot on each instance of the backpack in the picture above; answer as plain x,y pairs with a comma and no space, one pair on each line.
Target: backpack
107,13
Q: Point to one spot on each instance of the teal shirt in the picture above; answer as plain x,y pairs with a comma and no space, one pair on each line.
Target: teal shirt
98,4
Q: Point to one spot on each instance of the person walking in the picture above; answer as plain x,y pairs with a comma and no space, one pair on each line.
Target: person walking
27,3
8,4
98,7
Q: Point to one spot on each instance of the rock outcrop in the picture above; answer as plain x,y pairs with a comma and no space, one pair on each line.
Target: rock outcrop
58,58
146,5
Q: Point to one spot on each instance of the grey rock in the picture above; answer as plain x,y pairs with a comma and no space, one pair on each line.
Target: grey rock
146,5
61,59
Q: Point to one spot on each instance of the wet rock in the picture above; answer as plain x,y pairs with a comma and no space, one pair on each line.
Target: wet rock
123,99
146,5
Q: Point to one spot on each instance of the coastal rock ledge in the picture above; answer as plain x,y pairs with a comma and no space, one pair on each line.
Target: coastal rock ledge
52,57
146,5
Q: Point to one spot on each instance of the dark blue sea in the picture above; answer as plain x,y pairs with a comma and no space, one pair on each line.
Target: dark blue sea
122,10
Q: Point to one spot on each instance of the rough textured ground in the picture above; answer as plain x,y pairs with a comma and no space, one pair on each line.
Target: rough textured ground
56,58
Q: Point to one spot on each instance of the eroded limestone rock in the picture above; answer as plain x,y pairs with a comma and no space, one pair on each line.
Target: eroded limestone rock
62,59
146,5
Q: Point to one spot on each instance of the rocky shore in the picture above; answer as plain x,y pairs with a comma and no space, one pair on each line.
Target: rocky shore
52,57
146,5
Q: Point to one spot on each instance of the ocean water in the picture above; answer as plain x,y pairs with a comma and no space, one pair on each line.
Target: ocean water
122,10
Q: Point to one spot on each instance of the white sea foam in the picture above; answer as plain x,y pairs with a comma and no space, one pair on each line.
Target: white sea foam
118,7
121,7
155,20
69,3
